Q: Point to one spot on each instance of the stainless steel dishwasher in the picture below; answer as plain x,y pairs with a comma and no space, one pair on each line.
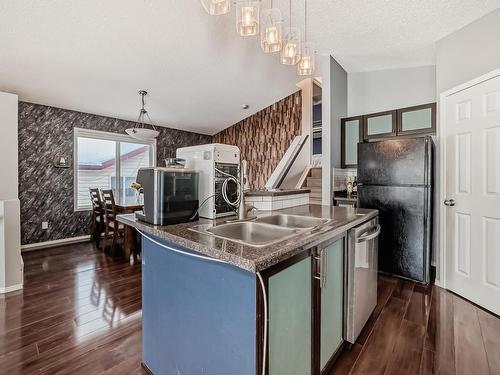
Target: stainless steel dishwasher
362,269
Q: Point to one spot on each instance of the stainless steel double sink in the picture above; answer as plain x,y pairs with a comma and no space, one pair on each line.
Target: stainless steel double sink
264,231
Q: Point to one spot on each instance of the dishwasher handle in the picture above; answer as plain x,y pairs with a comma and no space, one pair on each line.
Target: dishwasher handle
367,237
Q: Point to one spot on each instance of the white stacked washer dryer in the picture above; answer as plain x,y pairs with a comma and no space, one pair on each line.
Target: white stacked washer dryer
210,160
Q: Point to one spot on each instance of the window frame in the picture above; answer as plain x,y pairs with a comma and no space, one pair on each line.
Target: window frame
107,136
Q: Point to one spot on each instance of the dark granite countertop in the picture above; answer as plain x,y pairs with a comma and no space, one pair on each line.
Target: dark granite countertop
268,193
342,195
255,259
346,199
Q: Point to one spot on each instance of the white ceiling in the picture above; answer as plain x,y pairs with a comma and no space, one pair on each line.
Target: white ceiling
93,56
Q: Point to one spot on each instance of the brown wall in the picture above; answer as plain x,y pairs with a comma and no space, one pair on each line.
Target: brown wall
264,137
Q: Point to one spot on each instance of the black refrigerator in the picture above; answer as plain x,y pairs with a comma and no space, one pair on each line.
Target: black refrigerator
396,178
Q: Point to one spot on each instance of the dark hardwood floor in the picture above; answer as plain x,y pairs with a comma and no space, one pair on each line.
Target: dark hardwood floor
423,330
80,313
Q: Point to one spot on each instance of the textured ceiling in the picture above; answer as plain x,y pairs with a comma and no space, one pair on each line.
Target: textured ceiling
93,56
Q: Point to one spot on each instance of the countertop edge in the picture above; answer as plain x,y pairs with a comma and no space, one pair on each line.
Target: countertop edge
260,264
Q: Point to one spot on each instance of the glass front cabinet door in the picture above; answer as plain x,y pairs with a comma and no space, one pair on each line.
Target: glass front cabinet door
352,134
305,299
420,119
379,125
289,320
331,303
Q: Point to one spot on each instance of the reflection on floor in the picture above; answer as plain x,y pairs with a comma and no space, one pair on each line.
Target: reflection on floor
423,330
80,313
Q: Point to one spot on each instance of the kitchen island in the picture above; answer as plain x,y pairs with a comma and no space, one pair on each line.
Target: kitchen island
216,306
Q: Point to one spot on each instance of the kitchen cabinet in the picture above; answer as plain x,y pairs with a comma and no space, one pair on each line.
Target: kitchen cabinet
289,295
410,121
351,134
305,299
380,125
419,119
331,298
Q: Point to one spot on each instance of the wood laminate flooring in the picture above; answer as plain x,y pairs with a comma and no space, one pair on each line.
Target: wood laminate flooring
80,313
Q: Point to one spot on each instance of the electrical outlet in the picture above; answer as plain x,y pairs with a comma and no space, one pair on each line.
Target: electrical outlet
45,225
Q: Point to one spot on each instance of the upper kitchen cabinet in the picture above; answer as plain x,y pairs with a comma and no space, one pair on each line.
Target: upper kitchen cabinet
411,121
352,134
380,125
420,119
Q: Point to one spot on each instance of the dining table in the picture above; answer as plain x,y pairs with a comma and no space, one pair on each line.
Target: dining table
127,205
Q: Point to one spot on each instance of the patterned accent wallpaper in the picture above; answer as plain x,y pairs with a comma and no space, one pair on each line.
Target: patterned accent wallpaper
46,192
264,137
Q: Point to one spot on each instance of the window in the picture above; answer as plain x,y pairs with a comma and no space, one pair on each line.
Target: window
102,159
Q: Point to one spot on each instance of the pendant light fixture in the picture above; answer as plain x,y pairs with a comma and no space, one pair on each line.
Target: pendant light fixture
247,17
216,7
270,30
306,64
139,131
290,53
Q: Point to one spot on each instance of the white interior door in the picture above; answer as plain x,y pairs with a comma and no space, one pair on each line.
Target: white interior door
472,186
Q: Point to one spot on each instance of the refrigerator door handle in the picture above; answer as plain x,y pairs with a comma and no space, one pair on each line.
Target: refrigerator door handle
371,236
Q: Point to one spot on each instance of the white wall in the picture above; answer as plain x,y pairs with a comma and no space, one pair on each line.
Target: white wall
376,91
11,277
469,52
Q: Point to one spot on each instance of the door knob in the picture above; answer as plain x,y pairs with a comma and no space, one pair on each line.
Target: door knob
449,202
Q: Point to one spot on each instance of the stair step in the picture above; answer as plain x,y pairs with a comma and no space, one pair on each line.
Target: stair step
314,201
316,172
315,195
313,182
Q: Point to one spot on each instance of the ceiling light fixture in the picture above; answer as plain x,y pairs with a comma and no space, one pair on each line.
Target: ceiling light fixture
216,7
290,53
271,33
247,17
139,131
306,64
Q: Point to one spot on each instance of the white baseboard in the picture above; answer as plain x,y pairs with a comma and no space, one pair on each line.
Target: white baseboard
54,243
11,288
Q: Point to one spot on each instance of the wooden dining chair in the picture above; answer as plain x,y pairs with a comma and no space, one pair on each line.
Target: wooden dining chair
109,207
98,224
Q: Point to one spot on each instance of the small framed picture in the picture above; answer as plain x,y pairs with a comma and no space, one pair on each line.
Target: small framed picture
62,161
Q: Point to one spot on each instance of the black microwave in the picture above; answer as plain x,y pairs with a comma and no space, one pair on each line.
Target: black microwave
170,195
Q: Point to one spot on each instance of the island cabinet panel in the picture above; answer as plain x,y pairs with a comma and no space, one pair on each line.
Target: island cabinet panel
290,332
305,296
198,315
332,301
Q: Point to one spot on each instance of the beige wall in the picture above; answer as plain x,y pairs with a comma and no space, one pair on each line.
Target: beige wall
10,234
8,147
376,91
468,53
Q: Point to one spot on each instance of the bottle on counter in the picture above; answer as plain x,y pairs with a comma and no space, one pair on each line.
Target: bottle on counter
348,185
355,186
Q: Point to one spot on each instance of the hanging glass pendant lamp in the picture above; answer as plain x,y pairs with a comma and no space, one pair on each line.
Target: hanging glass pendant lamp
216,7
270,30
290,53
306,64
247,17
139,131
